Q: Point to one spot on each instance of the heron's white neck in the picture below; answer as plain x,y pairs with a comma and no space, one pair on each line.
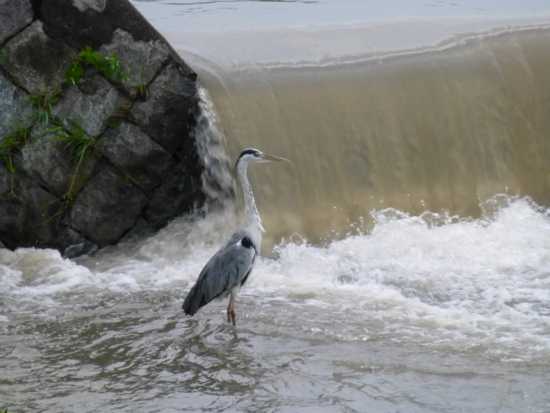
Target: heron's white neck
251,216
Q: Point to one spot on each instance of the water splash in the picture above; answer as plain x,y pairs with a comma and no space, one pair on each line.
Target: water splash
216,178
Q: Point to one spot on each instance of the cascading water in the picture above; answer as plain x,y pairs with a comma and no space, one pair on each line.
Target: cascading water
216,179
407,254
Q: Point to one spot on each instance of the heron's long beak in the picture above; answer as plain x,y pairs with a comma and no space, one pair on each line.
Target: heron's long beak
273,158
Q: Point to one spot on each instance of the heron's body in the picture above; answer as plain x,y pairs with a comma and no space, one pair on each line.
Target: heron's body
229,269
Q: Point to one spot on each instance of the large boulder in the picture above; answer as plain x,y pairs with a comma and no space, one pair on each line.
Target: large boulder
85,164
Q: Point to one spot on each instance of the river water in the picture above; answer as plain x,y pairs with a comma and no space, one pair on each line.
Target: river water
406,265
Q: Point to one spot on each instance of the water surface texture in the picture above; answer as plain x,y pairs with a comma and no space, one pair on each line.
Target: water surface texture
406,265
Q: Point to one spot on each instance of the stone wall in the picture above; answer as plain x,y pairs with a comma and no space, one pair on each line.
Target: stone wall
83,164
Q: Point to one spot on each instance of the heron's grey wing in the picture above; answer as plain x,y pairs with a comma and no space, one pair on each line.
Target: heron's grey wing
225,270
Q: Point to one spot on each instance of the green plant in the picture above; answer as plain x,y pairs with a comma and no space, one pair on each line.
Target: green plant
109,66
19,129
11,141
123,111
141,91
78,143
41,105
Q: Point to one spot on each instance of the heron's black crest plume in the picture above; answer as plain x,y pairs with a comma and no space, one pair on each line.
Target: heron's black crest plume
248,151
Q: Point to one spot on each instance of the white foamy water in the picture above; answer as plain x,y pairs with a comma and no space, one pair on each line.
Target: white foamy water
433,278
403,311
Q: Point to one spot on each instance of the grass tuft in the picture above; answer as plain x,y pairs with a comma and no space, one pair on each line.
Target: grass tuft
78,143
109,66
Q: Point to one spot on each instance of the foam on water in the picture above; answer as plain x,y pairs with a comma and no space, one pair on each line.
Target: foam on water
437,280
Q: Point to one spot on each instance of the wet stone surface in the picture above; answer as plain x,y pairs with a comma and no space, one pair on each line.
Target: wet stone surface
90,105
168,113
77,170
48,161
142,60
107,207
143,160
37,61
14,16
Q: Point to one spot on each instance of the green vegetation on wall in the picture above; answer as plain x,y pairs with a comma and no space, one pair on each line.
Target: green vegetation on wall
39,112
108,66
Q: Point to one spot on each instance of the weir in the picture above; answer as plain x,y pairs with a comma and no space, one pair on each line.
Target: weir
440,129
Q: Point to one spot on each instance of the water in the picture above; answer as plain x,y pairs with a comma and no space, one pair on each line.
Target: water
406,263
434,112
421,314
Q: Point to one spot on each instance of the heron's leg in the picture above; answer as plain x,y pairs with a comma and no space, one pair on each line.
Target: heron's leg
229,308
231,314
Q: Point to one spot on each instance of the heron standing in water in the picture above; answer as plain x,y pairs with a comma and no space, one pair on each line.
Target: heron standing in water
230,267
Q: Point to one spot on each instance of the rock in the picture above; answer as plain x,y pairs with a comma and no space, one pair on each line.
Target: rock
12,110
142,60
37,62
29,216
106,208
141,229
180,192
83,5
4,181
93,22
149,164
49,163
168,113
72,244
89,105
14,16
144,161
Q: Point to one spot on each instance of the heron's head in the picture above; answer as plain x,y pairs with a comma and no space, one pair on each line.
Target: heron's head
255,156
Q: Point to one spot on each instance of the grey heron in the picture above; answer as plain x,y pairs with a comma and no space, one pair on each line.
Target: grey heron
230,267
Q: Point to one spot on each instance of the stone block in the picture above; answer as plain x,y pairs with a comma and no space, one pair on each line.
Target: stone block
4,181
14,16
168,113
142,60
36,61
180,192
84,5
12,110
90,104
29,217
71,244
106,208
81,23
49,163
143,160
